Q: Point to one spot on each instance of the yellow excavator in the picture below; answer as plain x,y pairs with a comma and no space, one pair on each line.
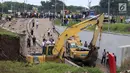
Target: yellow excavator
57,52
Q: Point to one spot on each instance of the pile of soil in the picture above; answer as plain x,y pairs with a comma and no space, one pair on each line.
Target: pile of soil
9,47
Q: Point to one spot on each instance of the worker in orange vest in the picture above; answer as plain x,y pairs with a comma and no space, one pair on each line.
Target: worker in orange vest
121,18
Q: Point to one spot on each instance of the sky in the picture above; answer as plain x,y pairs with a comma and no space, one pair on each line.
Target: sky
68,2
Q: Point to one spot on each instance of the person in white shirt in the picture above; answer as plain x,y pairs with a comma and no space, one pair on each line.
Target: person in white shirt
48,42
48,31
103,57
43,46
107,58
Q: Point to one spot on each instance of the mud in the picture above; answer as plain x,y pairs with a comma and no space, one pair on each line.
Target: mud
9,47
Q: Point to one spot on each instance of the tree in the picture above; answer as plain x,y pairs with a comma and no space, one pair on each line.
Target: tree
113,5
96,8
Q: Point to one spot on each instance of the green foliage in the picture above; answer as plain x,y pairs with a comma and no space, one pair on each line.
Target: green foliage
16,6
113,6
118,28
50,6
5,32
57,22
19,67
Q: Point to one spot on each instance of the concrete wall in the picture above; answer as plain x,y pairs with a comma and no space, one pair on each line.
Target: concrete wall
125,55
23,49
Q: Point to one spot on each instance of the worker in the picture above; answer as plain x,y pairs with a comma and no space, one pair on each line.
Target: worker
121,18
48,42
114,57
28,42
103,57
50,38
85,44
107,58
53,42
48,31
81,42
53,28
34,40
43,46
32,31
36,24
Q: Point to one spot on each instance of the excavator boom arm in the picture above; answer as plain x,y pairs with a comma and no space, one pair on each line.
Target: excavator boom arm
58,48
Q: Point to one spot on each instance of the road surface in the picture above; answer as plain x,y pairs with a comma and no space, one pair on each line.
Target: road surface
43,25
19,25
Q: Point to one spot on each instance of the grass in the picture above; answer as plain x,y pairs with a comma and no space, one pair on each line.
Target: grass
116,28
19,67
5,32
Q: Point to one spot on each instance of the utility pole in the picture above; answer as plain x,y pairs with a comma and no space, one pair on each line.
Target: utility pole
11,6
63,12
89,4
24,6
108,15
2,7
55,8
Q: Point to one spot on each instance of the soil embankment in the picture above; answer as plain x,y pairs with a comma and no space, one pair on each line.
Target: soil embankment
9,47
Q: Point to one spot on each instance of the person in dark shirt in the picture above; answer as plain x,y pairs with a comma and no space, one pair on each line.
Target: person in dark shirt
33,24
114,56
32,31
85,44
28,42
34,40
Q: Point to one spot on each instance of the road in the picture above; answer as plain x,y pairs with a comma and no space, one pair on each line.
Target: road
19,25
43,25
110,42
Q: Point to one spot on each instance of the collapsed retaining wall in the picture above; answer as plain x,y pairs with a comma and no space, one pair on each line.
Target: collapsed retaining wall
9,47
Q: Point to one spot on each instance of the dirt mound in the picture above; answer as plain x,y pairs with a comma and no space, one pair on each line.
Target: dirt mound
9,47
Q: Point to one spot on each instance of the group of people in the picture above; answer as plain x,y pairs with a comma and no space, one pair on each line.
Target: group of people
105,57
46,42
32,34
29,41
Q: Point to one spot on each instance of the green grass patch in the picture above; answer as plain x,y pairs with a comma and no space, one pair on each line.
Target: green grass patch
117,28
18,67
5,32
57,22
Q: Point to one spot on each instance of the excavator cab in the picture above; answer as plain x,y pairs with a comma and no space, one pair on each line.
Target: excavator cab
75,51
48,50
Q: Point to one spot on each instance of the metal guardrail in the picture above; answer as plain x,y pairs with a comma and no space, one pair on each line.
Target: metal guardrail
71,63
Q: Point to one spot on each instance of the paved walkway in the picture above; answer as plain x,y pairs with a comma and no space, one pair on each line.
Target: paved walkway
43,25
19,25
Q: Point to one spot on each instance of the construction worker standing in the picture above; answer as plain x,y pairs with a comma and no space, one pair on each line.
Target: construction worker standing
103,57
34,40
43,46
32,31
28,42
85,44
49,31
